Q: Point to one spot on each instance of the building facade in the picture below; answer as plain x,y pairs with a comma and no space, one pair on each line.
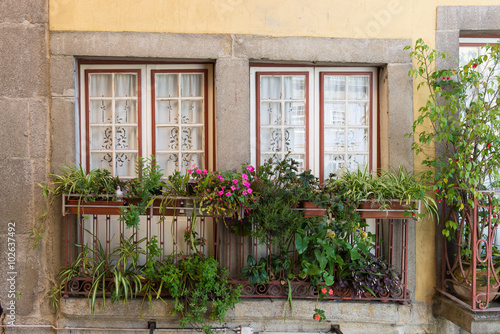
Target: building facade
62,59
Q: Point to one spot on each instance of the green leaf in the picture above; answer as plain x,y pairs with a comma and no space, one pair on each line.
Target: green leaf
300,243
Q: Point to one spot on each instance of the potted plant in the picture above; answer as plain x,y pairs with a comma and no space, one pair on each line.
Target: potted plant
94,192
396,193
462,111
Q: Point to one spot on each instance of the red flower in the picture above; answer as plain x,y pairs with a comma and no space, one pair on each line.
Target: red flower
448,78
437,190
474,66
440,200
488,145
317,316
444,78
323,290
330,292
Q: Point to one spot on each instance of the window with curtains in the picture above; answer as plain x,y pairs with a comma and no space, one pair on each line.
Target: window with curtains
129,111
324,117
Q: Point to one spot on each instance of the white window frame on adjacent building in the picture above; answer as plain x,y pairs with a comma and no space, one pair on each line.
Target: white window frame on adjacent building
312,120
147,124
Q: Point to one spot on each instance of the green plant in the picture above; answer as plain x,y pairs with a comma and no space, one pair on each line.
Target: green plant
193,283
91,186
396,184
141,190
274,217
328,251
461,117
256,273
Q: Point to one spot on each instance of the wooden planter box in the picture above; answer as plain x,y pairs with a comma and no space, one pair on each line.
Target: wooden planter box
390,210
98,207
311,210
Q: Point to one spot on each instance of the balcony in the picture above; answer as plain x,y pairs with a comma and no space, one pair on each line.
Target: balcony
97,225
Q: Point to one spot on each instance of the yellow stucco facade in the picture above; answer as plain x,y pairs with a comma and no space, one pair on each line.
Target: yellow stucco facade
402,19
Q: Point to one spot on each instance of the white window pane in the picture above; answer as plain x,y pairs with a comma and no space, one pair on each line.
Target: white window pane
295,113
357,113
101,138
101,85
357,88
125,164
334,113
100,111
334,139
101,160
270,113
356,161
270,140
192,138
333,163
192,85
295,140
190,159
295,87
270,87
357,139
334,86
192,112
467,53
301,159
126,138
167,138
167,112
125,85
126,112
166,85
169,162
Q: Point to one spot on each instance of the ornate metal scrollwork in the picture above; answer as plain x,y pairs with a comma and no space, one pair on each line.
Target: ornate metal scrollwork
275,144
121,138
174,139
107,142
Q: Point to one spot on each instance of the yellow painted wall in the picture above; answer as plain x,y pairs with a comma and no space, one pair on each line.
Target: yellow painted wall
408,19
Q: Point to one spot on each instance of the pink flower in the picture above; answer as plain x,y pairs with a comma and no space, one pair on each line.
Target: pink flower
235,181
330,292
228,194
190,171
233,187
316,317
198,171
221,192
323,290
244,176
205,172
246,184
249,190
244,192
250,168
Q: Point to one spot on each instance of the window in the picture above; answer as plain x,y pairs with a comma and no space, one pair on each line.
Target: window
131,111
325,117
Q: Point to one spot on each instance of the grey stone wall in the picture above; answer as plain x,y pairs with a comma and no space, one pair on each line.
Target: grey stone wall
25,133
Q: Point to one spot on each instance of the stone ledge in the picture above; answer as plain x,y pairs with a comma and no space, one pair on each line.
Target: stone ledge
260,314
473,322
